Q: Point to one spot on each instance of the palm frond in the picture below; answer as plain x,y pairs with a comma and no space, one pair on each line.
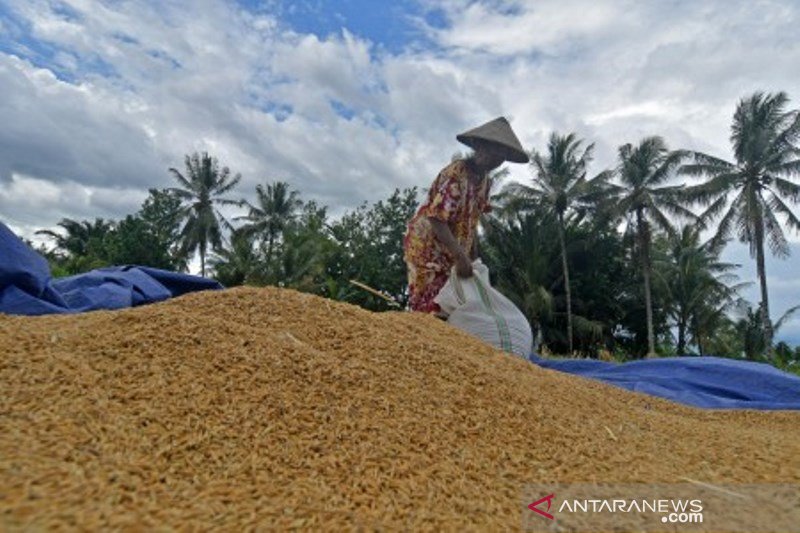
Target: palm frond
225,188
778,244
530,192
182,194
676,208
787,188
189,186
226,201
668,167
785,317
779,206
587,328
661,220
726,225
711,191
49,233
788,168
707,164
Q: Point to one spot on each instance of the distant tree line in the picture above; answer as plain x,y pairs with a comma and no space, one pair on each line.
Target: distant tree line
611,263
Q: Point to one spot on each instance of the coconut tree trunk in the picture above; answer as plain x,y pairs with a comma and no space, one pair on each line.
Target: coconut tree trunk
700,345
648,300
203,259
698,339
762,278
539,337
567,289
682,336
270,244
644,235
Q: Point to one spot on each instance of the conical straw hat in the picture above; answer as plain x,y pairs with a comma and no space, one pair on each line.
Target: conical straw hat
497,132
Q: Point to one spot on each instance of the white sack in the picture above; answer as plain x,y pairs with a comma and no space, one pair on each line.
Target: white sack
477,308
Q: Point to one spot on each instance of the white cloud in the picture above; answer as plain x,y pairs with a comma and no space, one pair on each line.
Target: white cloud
514,27
132,87
27,202
673,69
59,130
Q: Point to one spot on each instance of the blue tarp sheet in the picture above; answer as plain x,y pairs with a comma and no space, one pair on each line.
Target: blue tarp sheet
26,287
709,382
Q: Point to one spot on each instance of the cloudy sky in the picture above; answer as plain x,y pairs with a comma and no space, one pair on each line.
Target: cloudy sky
350,99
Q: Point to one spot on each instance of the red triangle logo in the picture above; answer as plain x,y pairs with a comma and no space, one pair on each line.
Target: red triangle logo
533,507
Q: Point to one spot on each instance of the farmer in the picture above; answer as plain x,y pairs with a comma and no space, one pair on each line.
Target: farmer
443,232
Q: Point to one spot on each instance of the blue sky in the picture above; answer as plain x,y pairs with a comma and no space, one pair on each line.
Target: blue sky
347,100
392,25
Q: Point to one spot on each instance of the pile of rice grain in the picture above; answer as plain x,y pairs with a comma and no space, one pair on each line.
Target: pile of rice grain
270,408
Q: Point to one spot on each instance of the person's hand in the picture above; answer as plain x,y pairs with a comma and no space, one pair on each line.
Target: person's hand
463,266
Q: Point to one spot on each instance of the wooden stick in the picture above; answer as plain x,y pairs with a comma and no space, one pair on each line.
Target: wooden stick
376,292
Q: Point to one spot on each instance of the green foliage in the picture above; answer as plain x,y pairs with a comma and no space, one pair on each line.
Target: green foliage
553,246
291,253
276,208
746,338
148,238
133,243
161,212
757,188
528,279
80,246
292,244
559,184
369,249
534,279
239,263
784,352
726,340
631,330
301,252
644,201
201,191
599,282
698,286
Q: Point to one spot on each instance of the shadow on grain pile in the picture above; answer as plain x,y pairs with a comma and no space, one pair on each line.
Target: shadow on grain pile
266,407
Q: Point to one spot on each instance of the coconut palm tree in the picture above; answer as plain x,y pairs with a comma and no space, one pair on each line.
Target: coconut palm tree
276,207
79,236
643,200
203,189
701,287
83,245
560,184
751,328
765,138
524,280
239,263
531,280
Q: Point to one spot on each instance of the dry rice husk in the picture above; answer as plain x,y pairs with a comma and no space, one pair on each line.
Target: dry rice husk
267,408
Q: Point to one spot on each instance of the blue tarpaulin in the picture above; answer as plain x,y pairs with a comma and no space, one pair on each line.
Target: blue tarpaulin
709,382
26,287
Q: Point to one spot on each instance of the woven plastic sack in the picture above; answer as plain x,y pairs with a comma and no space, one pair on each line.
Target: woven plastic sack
477,308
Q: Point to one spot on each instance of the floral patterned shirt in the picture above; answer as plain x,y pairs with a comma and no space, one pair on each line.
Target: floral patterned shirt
459,201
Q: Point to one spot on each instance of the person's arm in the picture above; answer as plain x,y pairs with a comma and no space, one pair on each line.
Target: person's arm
446,237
